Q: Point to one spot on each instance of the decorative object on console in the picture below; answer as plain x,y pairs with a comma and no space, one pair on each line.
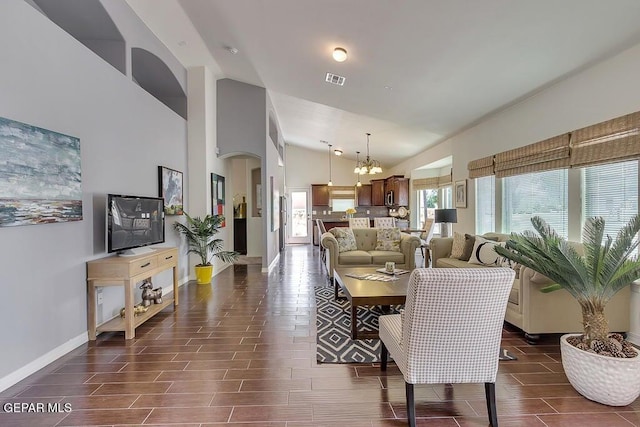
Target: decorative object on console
138,309
217,196
350,212
445,217
601,366
461,193
40,175
170,189
369,166
200,235
150,295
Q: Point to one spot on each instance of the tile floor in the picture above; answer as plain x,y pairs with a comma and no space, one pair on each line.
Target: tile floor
242,352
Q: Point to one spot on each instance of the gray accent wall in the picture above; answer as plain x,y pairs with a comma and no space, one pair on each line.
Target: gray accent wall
49,79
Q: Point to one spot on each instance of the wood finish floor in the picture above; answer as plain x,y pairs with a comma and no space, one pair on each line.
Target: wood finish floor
242,352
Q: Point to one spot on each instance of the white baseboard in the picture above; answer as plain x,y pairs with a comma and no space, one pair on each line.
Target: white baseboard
633,338
272,265
42,361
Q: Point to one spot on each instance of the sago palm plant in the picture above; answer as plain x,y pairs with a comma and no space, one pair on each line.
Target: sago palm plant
593,278
200,238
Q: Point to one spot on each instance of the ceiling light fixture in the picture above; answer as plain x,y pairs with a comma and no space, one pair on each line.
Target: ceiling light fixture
337,152
369,166
339,54
358,184
330,182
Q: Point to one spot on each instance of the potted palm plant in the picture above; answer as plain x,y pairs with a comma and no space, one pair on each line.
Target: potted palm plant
601,366
200,233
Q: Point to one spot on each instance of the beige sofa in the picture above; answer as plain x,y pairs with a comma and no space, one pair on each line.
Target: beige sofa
535,312
366,255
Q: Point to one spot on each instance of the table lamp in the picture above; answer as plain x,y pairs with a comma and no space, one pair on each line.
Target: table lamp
446,217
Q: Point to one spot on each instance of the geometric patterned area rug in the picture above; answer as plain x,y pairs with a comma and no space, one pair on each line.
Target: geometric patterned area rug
333,322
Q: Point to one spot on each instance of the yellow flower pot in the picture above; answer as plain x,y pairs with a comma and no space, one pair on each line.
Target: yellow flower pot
204,274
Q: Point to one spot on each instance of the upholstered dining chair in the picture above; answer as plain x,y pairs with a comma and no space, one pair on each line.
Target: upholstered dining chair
425,238
384,222
450,330
359,223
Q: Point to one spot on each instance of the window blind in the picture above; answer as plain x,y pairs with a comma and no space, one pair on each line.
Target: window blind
481,167
552,153
611,191
615,140
543,194
429,183
485,204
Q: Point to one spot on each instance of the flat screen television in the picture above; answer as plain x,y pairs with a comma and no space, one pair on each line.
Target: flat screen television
134,222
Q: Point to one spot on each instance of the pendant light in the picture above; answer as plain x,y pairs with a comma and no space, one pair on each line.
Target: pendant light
357,170
330,182
369,166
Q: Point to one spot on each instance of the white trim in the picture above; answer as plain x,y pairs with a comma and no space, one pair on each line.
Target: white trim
42,361
272,265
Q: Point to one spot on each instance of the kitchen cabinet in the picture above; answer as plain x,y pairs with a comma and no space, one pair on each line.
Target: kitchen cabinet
399,185
319,195
364,195
377,192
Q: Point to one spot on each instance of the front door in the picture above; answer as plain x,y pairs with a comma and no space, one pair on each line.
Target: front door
299,221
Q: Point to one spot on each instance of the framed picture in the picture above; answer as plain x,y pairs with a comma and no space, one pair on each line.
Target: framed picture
170,188
40,175
217,195
461,193
275,206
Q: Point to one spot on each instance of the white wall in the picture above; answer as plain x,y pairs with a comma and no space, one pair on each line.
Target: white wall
599,93
50,80
306,167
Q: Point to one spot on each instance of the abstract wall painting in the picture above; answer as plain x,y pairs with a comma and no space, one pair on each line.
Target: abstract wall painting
217,195
40,175
170,182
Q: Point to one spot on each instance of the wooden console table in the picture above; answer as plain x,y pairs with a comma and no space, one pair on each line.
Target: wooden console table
127,272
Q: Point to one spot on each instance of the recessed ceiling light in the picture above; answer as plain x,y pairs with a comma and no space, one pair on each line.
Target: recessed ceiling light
337,152
388,88
340,54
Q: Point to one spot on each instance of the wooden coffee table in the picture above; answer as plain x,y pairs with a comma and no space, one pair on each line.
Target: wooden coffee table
368,293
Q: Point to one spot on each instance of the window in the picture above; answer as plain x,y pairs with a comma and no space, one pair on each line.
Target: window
341,205
543,194
446,194
485,204
611,191
427,203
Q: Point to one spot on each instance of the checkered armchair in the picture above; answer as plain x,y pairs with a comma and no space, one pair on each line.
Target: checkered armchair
450,330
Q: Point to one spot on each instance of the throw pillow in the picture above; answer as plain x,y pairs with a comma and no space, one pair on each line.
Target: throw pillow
346,239
388,239
457,248
469,241
484,253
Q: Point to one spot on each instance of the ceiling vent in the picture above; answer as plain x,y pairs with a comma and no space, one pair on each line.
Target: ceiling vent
335,79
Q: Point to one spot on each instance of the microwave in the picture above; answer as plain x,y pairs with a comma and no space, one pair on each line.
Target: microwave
389,198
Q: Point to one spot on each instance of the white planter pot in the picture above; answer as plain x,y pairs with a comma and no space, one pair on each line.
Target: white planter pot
611,381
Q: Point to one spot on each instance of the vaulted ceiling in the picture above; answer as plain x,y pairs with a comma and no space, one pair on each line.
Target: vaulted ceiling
418,71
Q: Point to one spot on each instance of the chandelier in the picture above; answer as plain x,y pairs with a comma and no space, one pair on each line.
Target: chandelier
368,166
